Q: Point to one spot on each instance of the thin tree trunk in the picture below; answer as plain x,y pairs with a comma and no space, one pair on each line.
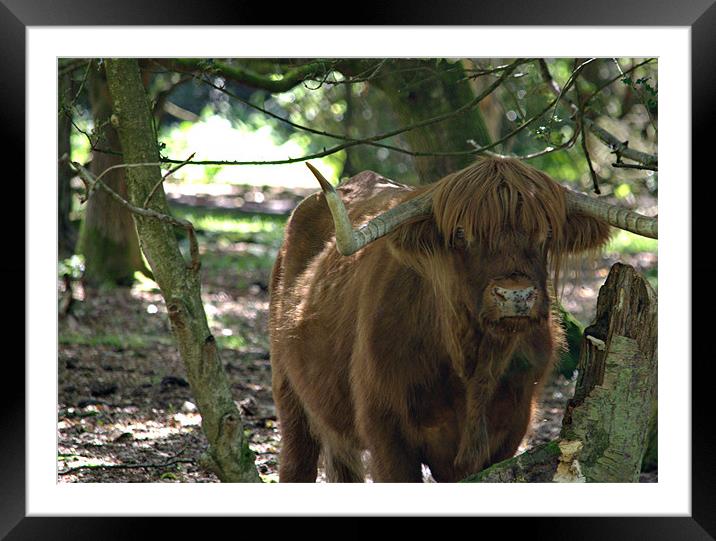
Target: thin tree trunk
66,232
108,238
228,453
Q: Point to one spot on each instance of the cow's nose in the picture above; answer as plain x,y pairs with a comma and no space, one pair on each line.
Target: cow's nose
514,302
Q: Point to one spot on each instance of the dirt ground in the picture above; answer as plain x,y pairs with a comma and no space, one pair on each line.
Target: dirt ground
125,410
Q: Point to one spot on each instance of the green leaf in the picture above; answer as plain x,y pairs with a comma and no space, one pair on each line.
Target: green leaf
622,191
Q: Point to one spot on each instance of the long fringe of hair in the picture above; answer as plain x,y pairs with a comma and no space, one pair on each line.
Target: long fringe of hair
496,195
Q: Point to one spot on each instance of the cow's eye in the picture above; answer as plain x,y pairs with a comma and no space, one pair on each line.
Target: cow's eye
458,240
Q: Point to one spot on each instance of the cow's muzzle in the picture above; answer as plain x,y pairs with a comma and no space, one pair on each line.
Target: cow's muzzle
513,301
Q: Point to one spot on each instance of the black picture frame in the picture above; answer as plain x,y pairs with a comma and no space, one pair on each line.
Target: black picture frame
700,16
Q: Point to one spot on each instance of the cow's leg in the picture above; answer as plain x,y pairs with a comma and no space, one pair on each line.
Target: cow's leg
298,460
343,466
393,459
443,470
474,448
509,415
439,449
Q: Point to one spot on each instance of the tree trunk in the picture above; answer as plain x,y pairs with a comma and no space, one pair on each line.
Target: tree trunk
605,429
612,405
228,453
108,238
66,232
424,88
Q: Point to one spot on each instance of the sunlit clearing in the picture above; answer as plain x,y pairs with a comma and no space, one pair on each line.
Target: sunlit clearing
226,222
215,138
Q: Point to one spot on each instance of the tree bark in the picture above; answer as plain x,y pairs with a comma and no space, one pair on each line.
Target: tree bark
228,453
537,465
66,232
612,405
108,238
606,426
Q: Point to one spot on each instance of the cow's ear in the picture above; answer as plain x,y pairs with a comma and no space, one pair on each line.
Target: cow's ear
583,233
415,239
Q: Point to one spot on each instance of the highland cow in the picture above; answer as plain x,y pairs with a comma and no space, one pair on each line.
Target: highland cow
424,336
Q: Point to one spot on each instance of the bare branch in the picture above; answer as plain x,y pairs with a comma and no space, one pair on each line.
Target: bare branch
614,79
375,138
288,79
172,460
585,145
571,81
92,182
544,70
548,150
622,165
620,148
164,177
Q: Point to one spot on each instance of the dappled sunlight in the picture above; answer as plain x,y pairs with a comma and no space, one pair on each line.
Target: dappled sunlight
217,139
124,397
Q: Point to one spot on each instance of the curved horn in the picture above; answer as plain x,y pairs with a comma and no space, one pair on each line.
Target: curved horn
614,215
349,240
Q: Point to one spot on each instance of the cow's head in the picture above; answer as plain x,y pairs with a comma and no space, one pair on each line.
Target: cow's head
489,236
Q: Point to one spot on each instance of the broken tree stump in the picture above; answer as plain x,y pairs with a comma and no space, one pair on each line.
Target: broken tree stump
616,388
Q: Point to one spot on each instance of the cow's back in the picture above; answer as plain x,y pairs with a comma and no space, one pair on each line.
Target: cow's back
310,228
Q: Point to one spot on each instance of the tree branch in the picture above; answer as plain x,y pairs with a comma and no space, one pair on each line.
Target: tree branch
621,149
164,177
585,146
375,138
288,79
634,166
93,182
172,461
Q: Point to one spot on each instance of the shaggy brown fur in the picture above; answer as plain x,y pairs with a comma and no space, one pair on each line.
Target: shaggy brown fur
400,349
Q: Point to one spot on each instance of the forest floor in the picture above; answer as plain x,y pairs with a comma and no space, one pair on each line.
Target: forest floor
125,409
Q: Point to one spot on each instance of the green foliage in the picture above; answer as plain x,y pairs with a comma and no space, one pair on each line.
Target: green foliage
73,266
231,342
644,88
573,329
